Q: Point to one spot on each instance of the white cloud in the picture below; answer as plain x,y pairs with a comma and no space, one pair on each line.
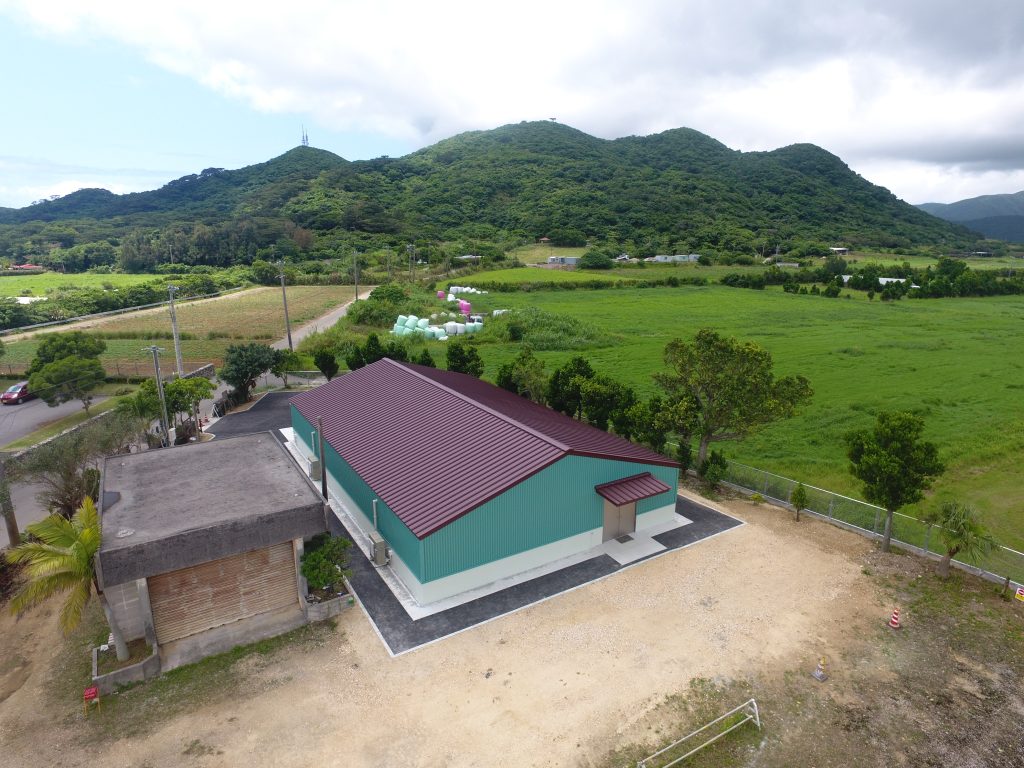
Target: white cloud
916,91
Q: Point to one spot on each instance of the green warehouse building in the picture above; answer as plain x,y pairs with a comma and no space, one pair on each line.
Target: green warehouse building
468,483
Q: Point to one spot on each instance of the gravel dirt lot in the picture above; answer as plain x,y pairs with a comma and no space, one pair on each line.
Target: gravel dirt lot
593,677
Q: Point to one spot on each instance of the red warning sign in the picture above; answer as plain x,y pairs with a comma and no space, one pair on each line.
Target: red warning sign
1020,593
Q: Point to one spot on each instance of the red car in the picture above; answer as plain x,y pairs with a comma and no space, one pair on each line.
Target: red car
16,394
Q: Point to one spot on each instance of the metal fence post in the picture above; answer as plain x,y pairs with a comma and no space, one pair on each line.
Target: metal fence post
831,503
875,528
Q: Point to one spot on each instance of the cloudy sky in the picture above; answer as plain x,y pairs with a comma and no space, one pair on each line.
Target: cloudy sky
925,98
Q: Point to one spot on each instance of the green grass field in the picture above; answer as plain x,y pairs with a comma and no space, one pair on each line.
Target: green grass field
38,285
521,275
958,362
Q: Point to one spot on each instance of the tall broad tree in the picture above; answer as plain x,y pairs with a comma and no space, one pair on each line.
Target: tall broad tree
725,389
57,346
244,364
61,559
564,390
70,378
892,461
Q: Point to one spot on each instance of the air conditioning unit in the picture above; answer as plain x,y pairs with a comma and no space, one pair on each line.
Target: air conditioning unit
381,551
314,469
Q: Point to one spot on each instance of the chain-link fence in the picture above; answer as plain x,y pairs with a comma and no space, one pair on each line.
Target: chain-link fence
869,519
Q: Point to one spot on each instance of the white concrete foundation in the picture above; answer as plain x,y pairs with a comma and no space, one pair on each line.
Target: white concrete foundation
420,600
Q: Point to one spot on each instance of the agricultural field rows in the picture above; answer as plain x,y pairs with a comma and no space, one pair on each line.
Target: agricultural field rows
208,327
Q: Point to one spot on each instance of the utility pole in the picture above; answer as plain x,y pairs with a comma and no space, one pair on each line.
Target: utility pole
355,271
171,290
387,261
412,253
166,438
284,296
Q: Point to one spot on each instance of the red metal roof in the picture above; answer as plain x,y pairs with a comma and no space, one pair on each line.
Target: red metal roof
630,489
434,445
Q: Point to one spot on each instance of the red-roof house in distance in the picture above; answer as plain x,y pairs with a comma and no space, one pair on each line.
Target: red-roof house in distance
469,483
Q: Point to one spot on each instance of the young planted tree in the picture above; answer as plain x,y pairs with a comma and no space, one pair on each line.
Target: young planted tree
425,359
70,378
725,389
962,534
894,463
183,397
326,363
604,400
524,375
463,358
286,361
798,499
564,387
61,559
651,422
244,364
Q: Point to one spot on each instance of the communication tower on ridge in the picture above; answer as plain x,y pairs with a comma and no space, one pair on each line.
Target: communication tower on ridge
305,137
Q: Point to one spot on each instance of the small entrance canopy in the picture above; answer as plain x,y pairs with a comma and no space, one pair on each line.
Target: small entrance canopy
631,489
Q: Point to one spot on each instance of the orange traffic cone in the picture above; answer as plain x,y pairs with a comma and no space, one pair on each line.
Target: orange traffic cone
820,674
894,622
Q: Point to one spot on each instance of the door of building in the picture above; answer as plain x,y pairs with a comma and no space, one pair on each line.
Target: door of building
618,521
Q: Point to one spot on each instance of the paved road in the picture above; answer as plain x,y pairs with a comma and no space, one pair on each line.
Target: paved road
19,420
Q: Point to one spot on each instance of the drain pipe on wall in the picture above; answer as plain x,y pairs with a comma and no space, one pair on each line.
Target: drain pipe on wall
375,514
323,463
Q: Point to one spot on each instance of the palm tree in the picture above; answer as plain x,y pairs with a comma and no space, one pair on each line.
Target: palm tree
61,558
962,534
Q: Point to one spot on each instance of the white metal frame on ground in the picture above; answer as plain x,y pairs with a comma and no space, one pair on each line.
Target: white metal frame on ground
751,714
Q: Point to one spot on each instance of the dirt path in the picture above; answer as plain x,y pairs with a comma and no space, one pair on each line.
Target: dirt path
559,683
323,322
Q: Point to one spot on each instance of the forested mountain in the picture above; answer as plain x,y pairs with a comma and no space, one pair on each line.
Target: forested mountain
678,190
1000,217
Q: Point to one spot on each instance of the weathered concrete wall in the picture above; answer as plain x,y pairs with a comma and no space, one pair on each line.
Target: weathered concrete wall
146,669
127,609
227,636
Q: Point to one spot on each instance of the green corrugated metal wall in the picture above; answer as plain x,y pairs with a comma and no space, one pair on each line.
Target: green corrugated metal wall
555,503
399,538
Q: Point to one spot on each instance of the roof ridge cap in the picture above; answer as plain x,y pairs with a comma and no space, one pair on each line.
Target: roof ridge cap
504,417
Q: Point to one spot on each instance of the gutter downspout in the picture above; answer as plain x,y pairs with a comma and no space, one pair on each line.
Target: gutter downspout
323,464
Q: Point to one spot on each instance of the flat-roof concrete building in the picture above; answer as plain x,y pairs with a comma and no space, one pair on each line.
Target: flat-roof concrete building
200,544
